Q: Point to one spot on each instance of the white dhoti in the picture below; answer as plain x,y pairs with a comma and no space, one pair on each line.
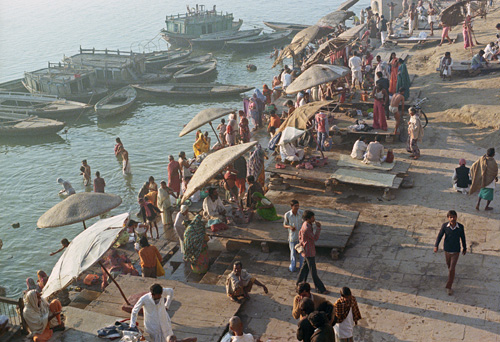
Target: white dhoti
383,37
126,167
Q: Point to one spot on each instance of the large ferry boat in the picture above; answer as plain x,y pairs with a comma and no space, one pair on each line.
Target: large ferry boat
181,28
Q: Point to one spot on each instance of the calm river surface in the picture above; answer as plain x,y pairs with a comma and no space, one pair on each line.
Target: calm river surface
37,31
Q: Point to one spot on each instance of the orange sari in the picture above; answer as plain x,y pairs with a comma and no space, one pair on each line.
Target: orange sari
394,76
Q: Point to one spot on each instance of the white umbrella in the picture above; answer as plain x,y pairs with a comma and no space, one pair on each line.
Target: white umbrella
316,75
204,117
290,134
83,252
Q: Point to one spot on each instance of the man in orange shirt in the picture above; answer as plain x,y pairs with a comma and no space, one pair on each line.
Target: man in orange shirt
274,121
149,256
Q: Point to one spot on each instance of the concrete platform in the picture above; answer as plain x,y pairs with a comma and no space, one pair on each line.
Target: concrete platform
197,309
336,228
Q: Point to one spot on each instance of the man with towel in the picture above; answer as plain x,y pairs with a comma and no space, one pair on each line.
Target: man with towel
484,174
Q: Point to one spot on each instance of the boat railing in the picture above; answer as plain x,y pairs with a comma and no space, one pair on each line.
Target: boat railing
18,95
109,52
198,15
13,309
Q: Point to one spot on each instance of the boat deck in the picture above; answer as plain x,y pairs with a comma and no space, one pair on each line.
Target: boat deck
191,311
336,228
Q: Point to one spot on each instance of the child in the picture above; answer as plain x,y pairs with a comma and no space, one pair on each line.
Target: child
222,131
64,243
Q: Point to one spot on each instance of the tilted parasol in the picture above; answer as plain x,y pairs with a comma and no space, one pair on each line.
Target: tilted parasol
346,5
454,14
299,43
334,18
316,75
302,115
78,208
213,164
290,134
204,117
83,252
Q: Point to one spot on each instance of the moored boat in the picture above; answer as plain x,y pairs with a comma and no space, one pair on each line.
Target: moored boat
186,63
262,41
117,102
16,124
157,60
197,73
13,85
278,26
192,90
218,40
49,106
182,28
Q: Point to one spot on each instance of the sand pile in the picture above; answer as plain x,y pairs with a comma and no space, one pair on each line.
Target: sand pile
483,116
490,140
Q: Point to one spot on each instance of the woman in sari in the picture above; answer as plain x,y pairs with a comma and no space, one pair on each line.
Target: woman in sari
31,285
256,164
40,316
244,129
265,207
394,62
195,245
118,147
42,279
201,145
174,175
467,32
267,93
231,131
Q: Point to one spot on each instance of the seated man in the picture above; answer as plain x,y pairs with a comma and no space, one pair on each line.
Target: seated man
304,291
478,61
236,327
291,153
253,187
213,206
116,264
375,152
359,148
461,177
239,283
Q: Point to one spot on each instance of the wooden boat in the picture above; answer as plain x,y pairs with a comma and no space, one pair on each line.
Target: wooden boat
13,85
262,41
277,26
197,73
219,39
16,124
49,106
157,60
186,63
181,28
117,102
192,90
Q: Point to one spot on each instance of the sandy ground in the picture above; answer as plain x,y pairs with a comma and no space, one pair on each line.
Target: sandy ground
389,264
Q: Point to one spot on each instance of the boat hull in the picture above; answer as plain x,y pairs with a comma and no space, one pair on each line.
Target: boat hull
199,73
278,26
217,44
184,40
105,109
246,46
196,90
85,97
156,63
32,126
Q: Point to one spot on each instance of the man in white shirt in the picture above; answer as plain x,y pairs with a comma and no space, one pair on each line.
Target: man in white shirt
236,326
359,148
355,64
289,152
156,319
286,78
292,221
213,206
375,152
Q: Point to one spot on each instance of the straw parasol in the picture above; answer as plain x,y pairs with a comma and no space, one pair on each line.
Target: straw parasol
454,14
346,5
78,208
302,115
204,117
299,43
316,75
334,18
83,252
213,164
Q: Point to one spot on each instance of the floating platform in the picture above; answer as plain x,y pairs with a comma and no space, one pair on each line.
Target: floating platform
365,175
336,228
191,311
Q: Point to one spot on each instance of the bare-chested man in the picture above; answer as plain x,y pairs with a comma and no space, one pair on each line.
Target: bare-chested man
397,99
125,162
85,172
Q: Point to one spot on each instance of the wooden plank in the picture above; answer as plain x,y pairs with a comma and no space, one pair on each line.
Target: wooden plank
189,309
348,161
337,227
368,178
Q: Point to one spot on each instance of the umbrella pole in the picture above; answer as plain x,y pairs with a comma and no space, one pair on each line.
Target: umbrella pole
114,281
216,135
84,226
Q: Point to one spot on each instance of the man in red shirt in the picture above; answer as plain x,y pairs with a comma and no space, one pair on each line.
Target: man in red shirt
308,238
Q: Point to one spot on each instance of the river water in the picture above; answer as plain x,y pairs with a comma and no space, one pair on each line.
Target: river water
33,32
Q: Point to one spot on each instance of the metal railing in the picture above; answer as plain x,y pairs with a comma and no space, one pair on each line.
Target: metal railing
13,309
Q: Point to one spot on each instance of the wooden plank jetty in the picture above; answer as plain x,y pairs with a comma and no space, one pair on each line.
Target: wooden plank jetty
336,228
197,309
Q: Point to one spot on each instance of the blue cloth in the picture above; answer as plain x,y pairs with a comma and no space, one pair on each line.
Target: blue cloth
321,141
294,256
404,80
274,141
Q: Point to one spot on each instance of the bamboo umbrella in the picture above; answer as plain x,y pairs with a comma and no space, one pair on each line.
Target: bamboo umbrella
213,164
302,115
78,208
204,117
316,75
83,252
